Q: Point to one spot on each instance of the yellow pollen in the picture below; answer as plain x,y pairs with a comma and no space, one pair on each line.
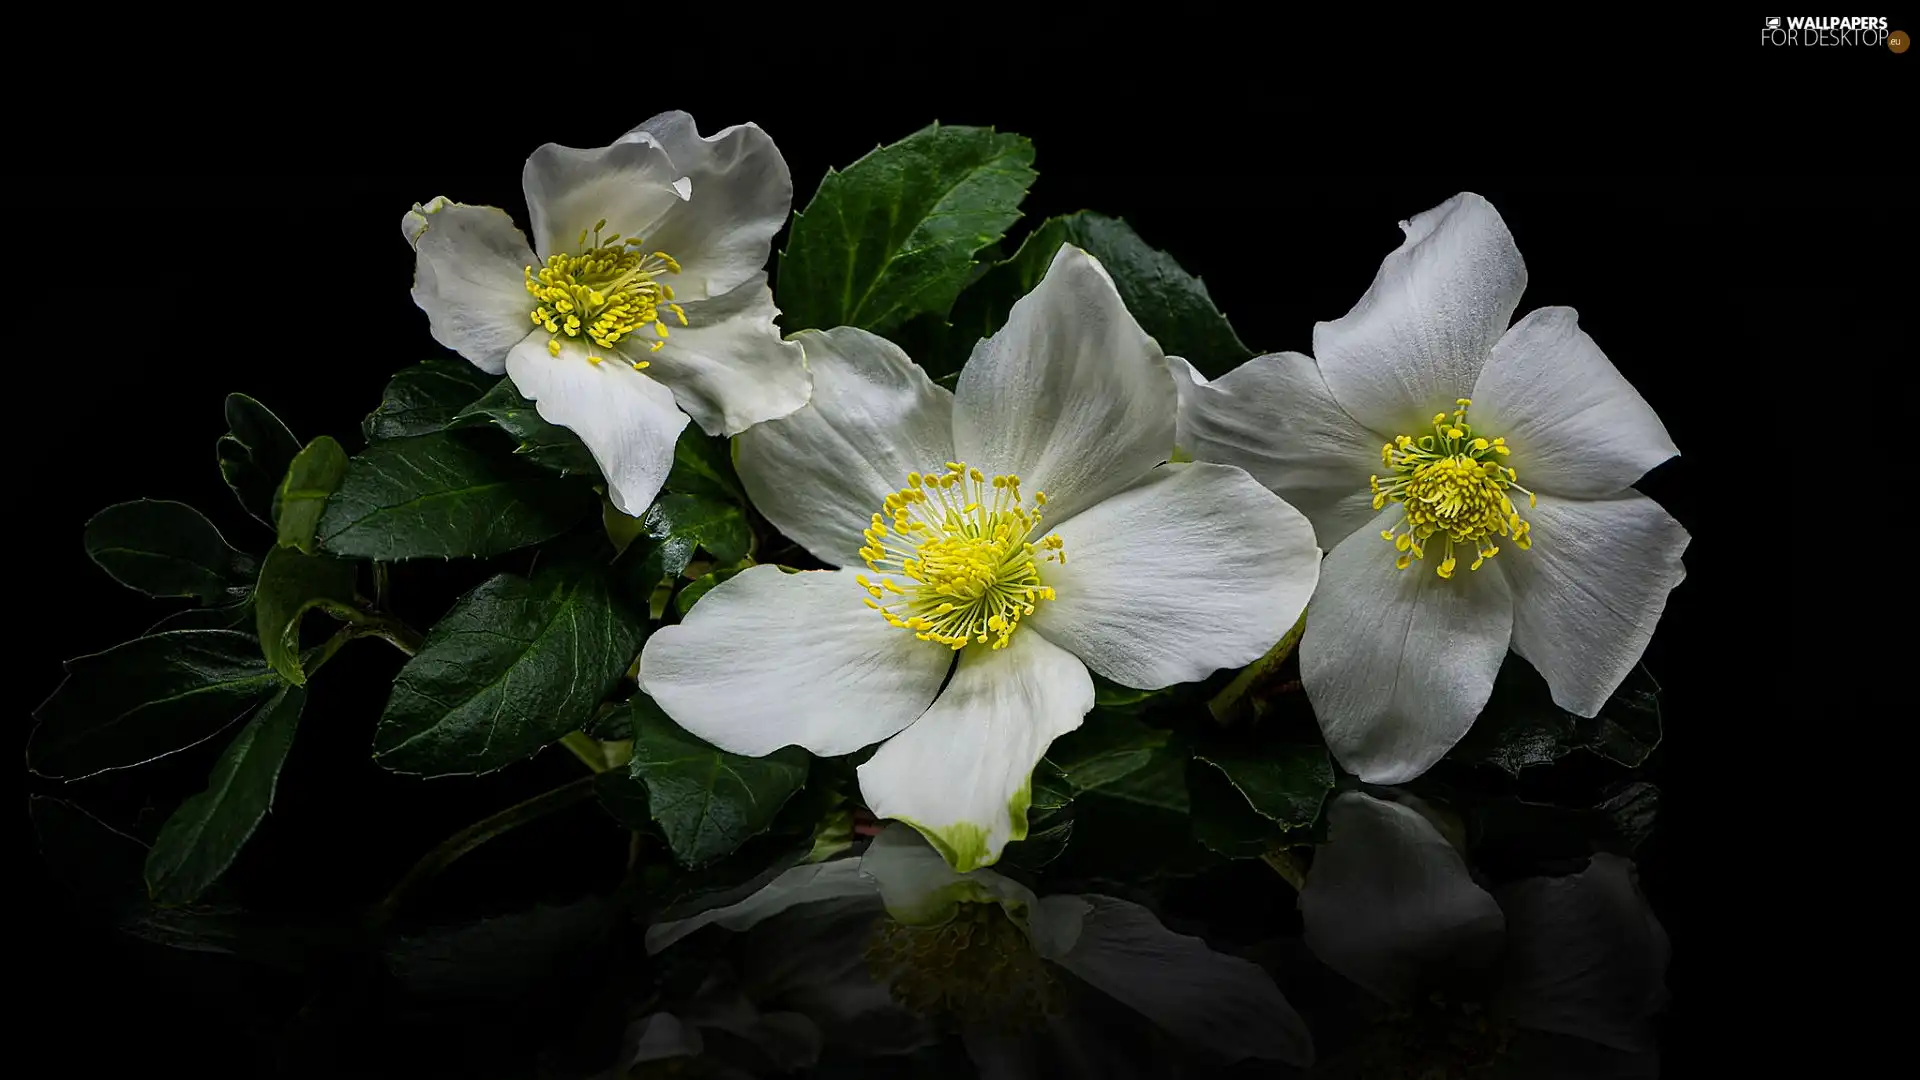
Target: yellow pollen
1452,487
960,544
607,293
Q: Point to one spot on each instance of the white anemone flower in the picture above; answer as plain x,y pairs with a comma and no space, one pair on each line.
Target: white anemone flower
1559,976
1026,526
642,301
1407,439
1005,965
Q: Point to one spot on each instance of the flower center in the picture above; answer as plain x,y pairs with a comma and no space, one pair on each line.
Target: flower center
970,571
977,967
608,292
1454,487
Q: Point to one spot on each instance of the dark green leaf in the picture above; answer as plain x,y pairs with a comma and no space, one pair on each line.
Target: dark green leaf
703,465
1284,784
1106,748
1632,812
446,495
102,868
291,584
674,528
1161,783
254,455
206,833
232,617
1112,696
1169,303
708,802
1049,823
514,666
426,397
1521,726
624,797
702,585
895,233
168,549
548,445
147,698
1222,819
313,477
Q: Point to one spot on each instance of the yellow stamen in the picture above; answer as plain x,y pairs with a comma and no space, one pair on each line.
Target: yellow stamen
1452,489
961,541
606,293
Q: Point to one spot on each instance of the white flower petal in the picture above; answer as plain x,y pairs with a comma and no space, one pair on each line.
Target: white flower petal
1418,338
1389,900
1576,425
820,474
469,276
728,367
919,887
1070,395
962,773
659,1037
738,195
1398,663
1585,955
1274,417
801,884
770,659
1224,1005
631,185
626,419
1195,568
1588,592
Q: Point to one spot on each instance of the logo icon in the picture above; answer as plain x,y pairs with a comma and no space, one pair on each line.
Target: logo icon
1773,24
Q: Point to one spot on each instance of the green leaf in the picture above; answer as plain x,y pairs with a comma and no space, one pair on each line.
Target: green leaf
313,477
1108,694
206,833
232,617
707,802
445,495
703,465
1168,302
167,549
425,397
291,584
704,584
549,446
1631,812
1159,784
1049,823
895,233
1106,748
1521,727
1286,784
677,526
254,454
515,665
147,698
1222,819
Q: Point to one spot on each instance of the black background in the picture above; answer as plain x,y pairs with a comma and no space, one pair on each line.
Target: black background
1723,218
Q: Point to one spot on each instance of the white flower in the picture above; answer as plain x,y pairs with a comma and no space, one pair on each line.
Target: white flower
1537,969
984,951
1149,573
1407,439
642,301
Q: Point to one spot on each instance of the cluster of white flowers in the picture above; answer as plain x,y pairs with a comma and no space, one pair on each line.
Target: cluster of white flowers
1467,481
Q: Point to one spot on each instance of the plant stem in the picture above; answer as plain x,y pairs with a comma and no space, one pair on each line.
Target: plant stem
1233,700
1288,867
587,749
392,631
457,845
